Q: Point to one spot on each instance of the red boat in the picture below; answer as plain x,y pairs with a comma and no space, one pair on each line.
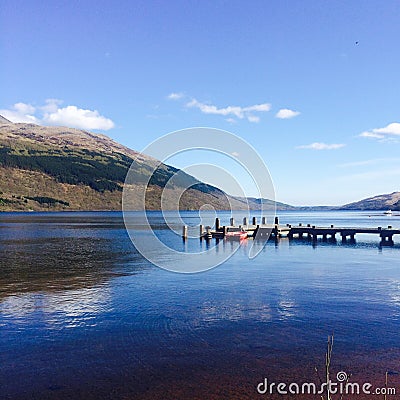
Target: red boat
239,235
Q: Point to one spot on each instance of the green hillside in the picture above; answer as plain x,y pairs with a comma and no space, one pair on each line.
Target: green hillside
58,168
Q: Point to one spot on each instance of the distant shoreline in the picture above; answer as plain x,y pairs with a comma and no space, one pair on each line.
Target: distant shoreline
310,209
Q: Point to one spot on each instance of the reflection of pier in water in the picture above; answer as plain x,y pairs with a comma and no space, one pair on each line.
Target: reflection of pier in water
276,231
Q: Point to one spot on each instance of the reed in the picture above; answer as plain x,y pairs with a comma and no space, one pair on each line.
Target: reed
327,371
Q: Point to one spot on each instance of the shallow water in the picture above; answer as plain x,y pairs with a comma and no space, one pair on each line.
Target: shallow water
84,316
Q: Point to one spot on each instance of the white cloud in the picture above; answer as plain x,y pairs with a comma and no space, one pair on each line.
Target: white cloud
20,112
51,105
24,108
236,111
235,154
175,96
78,118
285,113
392,129
253,118
372,135
322,146
258,107
52,114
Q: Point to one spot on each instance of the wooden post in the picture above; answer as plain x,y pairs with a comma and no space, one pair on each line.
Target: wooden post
254,220
201,230
217,224
184,232
276,221
263,221
245,221
232,222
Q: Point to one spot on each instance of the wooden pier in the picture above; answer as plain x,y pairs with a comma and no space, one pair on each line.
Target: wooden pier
276,231
329,233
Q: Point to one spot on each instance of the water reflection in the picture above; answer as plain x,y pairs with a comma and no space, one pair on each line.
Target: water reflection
236,310
43,254
54,264
394,293
57,310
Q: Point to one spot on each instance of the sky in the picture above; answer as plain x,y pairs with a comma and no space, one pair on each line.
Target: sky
313,86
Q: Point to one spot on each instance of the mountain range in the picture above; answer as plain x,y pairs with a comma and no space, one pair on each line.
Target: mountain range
60,168
389,201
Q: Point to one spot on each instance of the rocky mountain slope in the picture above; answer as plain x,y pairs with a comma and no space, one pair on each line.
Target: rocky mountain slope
59,168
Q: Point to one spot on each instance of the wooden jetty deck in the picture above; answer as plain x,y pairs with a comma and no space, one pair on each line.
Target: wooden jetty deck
326,233
276,231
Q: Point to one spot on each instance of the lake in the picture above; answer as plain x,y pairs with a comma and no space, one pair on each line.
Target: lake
84,316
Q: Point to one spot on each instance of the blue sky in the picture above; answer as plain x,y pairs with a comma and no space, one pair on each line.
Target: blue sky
312,85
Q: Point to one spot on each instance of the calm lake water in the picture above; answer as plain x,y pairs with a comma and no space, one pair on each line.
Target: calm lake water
84,316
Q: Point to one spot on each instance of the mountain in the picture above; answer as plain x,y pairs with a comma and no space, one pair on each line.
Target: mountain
61,168
381,202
